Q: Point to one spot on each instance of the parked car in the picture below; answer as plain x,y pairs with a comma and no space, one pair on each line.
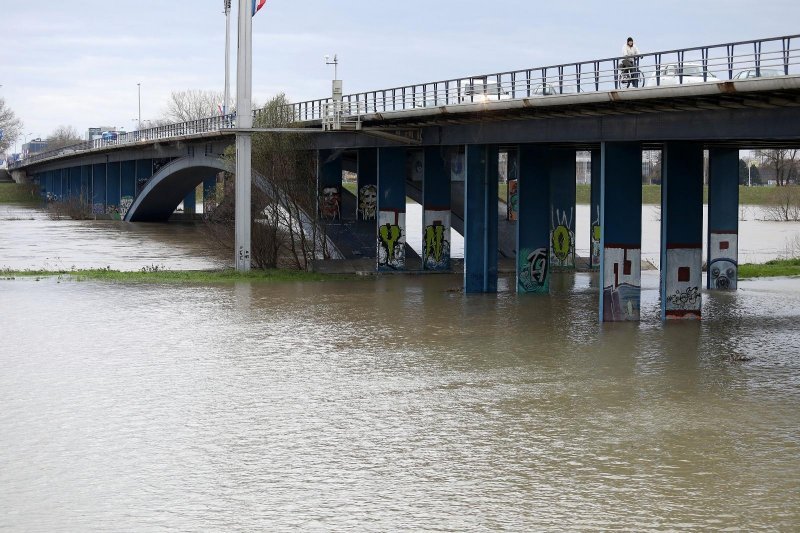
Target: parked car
675,74
760,73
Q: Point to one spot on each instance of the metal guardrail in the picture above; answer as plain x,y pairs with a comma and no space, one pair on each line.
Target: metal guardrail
722,62
774,56
342,115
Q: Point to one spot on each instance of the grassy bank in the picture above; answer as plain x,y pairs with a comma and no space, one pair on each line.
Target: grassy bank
177,276
774,268
19,193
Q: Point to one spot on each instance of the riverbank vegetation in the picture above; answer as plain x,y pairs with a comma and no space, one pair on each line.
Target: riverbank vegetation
159,275
19,193
774,268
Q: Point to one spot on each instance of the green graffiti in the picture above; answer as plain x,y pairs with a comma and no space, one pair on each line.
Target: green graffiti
434,241
389,235
562,242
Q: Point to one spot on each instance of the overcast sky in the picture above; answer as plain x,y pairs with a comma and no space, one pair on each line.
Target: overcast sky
78,62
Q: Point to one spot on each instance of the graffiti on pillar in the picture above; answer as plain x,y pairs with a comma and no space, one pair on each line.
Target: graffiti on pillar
595,238
457,166
562,239
113,212
723,254
622,279
125,204
330,203
682,277
533,270
513,200
368,202
391,240
436,240
98,208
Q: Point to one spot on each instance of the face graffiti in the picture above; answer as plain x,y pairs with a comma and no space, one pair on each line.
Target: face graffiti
329,205
723,274
368,202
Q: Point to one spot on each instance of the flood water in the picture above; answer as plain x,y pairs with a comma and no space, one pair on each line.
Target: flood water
384,404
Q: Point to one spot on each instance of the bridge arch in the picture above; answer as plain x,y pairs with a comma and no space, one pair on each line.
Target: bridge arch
165,190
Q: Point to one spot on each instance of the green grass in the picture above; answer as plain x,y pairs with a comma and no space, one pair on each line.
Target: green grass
19,193
776,267
155,275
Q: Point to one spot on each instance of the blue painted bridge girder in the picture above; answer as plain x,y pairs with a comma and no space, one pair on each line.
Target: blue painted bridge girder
480,220
723,219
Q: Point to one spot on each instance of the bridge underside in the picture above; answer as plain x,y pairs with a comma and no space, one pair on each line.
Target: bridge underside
158,203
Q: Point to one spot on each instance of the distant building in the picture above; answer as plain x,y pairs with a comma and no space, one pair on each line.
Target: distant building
33,147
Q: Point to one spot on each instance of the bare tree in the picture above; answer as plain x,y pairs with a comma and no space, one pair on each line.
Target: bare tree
184,106
10,126
63,136
783,162
286,230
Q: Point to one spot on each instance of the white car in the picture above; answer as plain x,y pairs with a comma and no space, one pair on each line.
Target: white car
674,74
760,73
479,91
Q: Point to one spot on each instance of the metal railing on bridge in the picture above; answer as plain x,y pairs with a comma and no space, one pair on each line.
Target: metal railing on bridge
723,62
776,56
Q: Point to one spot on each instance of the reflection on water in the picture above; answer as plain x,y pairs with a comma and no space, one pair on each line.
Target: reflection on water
394,404
29,239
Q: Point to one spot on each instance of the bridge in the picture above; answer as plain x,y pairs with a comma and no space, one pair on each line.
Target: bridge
441,143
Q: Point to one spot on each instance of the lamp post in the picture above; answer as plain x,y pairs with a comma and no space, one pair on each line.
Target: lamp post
227,93
244,122
139,90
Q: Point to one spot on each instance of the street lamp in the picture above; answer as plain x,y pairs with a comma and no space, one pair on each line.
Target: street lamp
139,88
227,93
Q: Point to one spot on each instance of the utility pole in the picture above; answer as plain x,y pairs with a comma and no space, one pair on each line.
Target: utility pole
244,121
227,97
139,87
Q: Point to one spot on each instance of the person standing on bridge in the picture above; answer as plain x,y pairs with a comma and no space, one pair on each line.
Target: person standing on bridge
630,56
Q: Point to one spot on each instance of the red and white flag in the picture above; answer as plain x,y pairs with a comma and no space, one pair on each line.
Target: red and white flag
258,4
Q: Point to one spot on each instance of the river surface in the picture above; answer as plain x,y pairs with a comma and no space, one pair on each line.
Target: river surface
385,404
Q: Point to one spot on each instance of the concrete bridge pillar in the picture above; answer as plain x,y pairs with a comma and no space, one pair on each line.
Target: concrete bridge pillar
533,222
86,183
391,252
112,185
562,172
367,185
621,223
723,218
190,203
329,183
480,218
681,230
594,211
435,210
99,188
74,182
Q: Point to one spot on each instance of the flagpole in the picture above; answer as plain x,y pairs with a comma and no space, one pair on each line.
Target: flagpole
244,120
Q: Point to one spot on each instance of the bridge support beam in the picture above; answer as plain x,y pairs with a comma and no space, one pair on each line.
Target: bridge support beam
480,218
86,183
682,230
112,187
74,182
127,186
329,182
144,171
594,211
391,252
562,208
723,218
533,222
190,203
621,239
367,193
99,188
435,210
